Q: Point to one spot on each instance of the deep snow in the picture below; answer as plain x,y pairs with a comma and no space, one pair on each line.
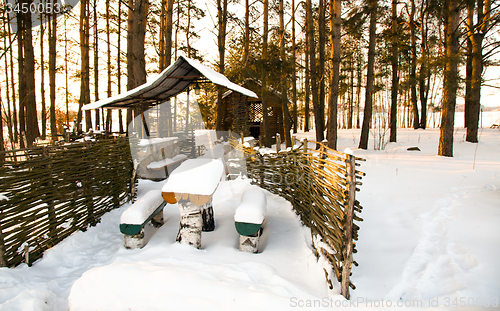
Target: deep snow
430,235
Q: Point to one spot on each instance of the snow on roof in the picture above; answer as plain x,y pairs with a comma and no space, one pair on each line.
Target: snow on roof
172,81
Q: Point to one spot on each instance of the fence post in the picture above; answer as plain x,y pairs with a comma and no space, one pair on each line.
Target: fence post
278,143
349,214
51,214
3,261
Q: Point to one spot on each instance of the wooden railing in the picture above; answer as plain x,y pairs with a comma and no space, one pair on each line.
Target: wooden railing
321,186
48,193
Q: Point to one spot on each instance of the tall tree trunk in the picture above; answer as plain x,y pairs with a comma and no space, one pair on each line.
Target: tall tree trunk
22,79
451,21
130,54
246,48
52,75
294,71
221,44
265,113
424,71
168,33
96,65
307,78
32,130
367,116
318,114
287,118
321,69
413,66
85,64
7,91
395,79
13,85
476,34
66,72
335,24
138,37
42,78
119,65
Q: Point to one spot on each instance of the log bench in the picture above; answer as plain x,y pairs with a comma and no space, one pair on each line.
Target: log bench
249,218
149,208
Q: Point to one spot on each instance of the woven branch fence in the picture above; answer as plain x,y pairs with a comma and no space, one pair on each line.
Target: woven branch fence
48,193
321,186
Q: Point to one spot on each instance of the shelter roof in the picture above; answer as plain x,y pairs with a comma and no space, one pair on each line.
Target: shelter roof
170,82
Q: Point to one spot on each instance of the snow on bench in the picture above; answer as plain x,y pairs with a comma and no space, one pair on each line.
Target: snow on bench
249,217
132,222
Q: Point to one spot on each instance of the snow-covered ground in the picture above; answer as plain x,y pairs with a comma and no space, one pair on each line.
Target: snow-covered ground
430,237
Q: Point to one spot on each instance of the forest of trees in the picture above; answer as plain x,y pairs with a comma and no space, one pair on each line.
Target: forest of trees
369,64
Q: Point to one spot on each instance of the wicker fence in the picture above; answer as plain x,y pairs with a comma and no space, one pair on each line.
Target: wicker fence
321,186
48,193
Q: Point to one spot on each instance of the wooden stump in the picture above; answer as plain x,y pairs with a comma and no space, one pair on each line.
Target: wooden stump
250,244
134,241
191,223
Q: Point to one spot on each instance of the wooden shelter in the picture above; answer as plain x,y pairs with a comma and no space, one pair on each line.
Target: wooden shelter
159,135
244,114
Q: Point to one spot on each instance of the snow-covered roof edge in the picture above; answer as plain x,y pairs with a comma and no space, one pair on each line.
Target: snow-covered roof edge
209,73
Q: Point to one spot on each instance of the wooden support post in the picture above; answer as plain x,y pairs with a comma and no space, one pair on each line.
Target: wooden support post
134,241
349,214
3,261
208,217
191,223
305,145
250,244
278,142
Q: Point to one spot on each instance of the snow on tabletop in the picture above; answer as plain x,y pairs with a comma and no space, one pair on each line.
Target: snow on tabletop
142,208
152,141
165,162
195,176
253,207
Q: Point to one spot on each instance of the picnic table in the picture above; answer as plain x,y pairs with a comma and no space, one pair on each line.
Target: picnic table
192,186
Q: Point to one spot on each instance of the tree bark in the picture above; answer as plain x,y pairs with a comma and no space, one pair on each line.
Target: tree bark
424,71
320,110
365,129
85,65
476,34
451,21
395,78
221,44
318,114
335,24
413,66
42,78
138,37
307,79
96,65
52,75
168,33
22,80
265,117
294,71
287,119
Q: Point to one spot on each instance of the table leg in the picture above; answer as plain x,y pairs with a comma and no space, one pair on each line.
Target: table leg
190,224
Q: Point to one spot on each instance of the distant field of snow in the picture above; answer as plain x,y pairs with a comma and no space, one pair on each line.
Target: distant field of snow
430,237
